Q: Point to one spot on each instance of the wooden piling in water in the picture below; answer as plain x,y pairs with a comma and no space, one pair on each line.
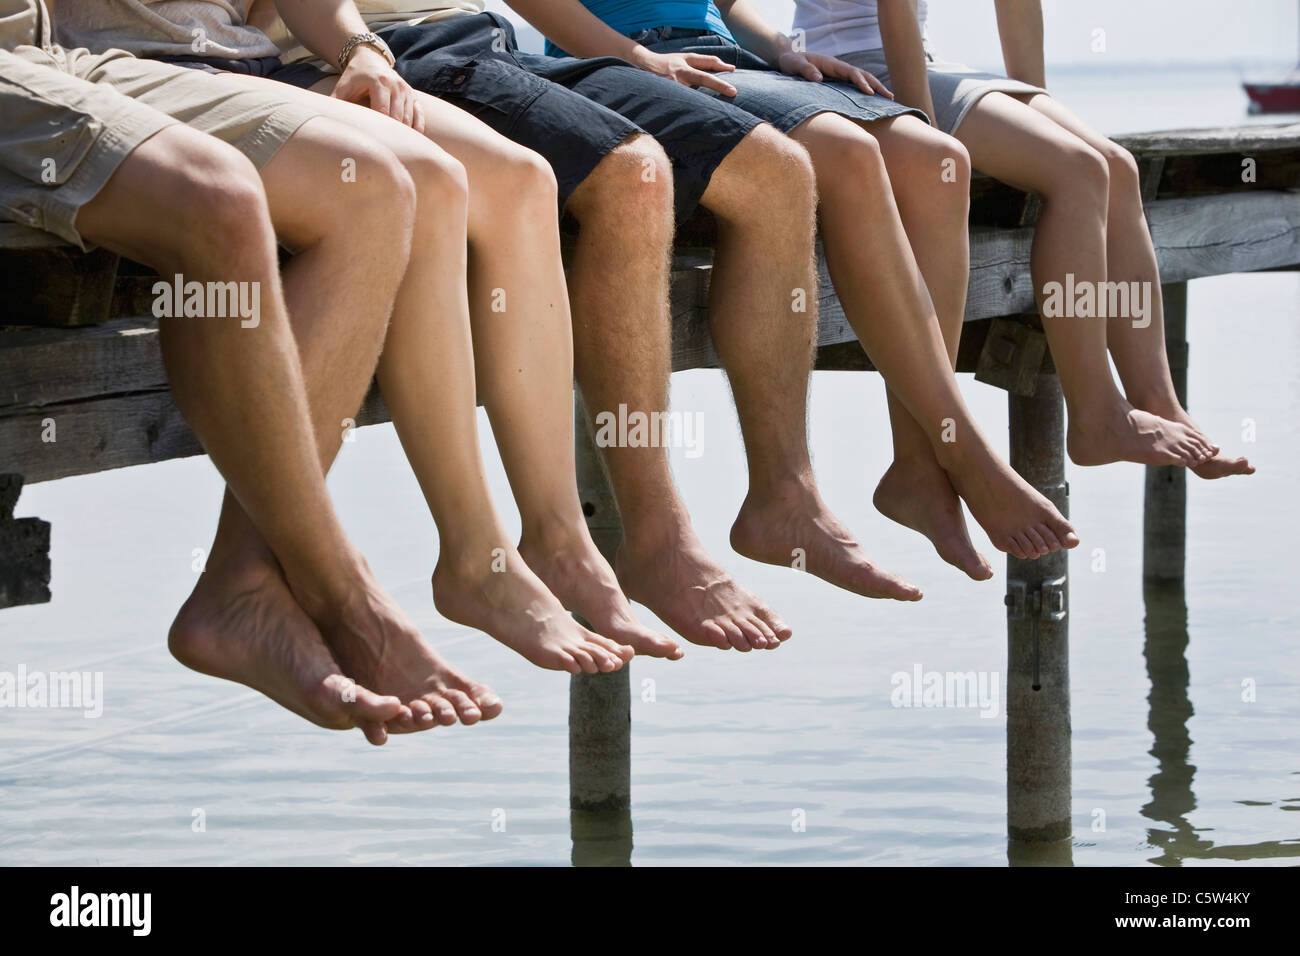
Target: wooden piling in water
600,705
1164,512
1038,648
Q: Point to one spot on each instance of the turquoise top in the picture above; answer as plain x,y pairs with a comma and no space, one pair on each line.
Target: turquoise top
630,16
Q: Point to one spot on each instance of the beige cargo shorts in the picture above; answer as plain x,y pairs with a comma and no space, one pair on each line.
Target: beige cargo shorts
68,118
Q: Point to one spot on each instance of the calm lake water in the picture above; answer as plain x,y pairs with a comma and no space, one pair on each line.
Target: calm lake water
1183,769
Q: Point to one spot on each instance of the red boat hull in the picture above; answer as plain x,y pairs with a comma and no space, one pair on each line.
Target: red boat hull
1274,97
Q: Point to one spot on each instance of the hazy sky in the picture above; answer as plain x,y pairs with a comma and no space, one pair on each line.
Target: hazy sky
1153,31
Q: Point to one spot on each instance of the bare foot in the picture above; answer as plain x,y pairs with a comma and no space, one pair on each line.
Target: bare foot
578,574
1220,466
921,497
514,606
1015,516
1130,434
244,625
793,527
378,645
696,597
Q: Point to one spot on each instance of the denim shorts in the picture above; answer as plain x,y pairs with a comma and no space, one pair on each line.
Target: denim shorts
954,87
767,93
572,111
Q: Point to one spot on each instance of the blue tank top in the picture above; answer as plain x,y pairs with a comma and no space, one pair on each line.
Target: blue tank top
629,16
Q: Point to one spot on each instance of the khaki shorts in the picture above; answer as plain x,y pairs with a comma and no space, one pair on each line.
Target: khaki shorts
68,118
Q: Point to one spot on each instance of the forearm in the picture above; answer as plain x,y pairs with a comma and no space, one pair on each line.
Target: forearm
322,26
1020,27
905,54
575,29
753,32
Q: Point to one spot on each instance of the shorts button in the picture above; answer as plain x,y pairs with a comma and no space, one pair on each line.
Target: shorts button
460,78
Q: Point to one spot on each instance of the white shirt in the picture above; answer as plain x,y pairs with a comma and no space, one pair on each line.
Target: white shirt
835,27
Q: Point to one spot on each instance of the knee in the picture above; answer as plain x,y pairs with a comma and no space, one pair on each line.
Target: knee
512,178
1077,169
953,161
1122,168
222,205
787,167
377,189
936,175
633,182
440,185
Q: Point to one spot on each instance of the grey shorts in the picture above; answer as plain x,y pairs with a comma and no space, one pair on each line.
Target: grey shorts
68,119
954,87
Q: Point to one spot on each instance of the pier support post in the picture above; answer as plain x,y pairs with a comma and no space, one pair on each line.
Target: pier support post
24,551
1164,513
600,705
1038,651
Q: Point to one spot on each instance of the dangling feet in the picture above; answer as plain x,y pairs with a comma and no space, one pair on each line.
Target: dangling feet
789,525
501,595
242,624
920,496
1125,433
1218,466
1017,519
676,578
575,571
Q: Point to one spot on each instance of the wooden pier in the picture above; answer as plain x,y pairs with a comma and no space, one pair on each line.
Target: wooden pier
78,350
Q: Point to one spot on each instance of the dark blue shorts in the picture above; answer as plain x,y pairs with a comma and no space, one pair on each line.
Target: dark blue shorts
572,111
774,97
303,75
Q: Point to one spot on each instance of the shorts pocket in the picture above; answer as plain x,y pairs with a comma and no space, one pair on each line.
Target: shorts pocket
42,143
504,87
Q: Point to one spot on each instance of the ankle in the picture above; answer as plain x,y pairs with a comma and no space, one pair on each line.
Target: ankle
788,489
664,528
1163,402
556,536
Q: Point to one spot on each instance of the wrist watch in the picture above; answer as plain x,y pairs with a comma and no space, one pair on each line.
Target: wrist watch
366,39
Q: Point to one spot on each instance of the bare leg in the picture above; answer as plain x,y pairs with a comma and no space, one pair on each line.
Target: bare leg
427,363
523,350
885,296
766,346
1023,148
186,203
619,290
1138,351
929,173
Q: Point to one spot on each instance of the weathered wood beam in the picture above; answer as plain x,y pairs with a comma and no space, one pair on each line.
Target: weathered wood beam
24,551
56,286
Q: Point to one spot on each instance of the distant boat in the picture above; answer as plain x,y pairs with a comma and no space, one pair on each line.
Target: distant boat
1280,97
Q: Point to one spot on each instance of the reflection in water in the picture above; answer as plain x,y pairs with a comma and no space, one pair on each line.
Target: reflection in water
1024,853
601,837
1172,796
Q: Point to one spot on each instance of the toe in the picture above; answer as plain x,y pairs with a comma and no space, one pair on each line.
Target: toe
489,704
776,624
1049,538
735,636
751,632
623,652
421,711
1036,541
375,732
769,637
443,712
712,634
466,710
583,659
